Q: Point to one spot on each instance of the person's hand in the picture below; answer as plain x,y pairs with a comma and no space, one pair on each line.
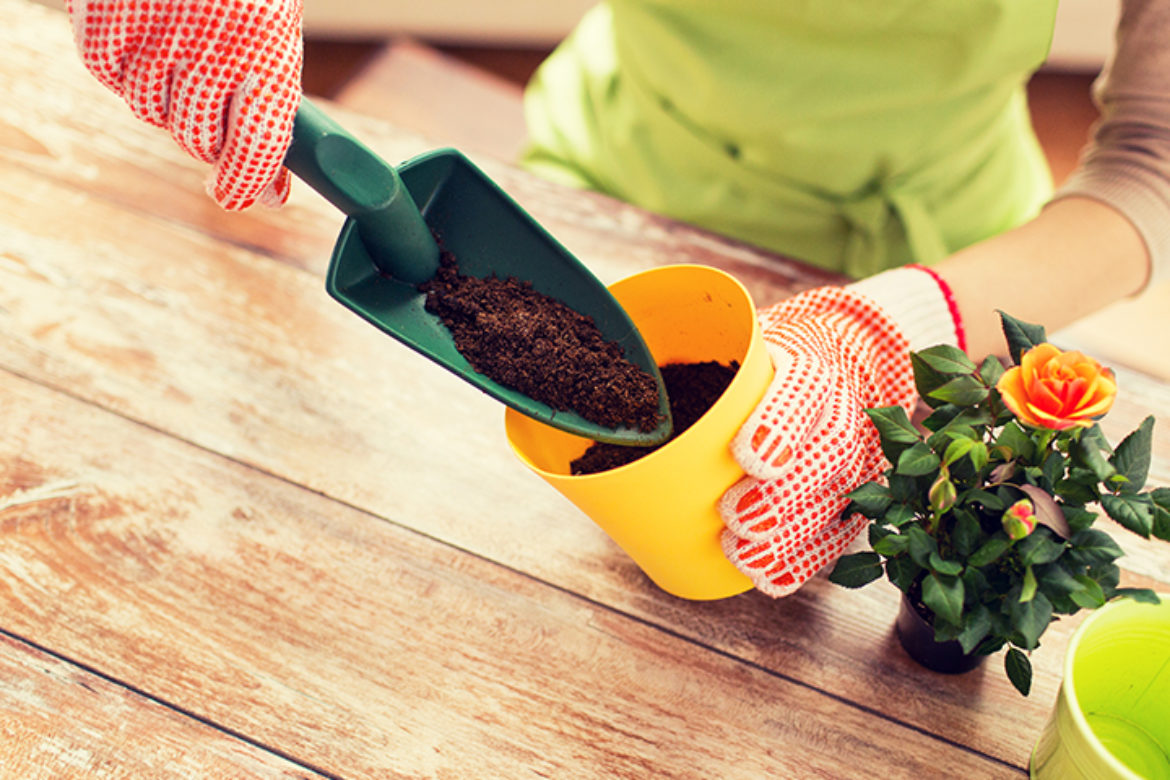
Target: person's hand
223,76
836,352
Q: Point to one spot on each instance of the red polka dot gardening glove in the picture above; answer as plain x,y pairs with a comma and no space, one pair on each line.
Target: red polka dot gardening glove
222,76
837,351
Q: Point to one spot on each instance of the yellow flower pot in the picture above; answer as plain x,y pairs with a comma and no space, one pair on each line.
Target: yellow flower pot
661,509
1112,715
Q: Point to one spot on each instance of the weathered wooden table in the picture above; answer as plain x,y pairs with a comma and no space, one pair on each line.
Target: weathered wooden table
242,534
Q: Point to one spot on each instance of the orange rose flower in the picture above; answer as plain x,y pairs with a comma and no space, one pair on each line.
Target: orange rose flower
1058,390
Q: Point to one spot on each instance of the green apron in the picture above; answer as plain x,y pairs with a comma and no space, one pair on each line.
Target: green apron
854,134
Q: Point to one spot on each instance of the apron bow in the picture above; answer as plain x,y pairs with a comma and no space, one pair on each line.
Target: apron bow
870,216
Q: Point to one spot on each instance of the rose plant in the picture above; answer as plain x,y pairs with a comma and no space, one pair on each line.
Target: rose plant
985,516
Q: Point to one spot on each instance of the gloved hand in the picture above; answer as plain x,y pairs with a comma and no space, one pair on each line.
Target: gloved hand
837,351
223,76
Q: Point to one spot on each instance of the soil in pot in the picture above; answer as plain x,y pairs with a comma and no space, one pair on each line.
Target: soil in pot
537,345
917,637
692,389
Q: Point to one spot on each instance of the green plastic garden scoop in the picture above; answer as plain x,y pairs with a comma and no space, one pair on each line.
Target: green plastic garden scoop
386,248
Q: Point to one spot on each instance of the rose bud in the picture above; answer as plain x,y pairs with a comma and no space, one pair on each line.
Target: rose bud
1019,520
942,493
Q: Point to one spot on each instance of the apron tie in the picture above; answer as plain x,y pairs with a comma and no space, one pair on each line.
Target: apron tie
868,217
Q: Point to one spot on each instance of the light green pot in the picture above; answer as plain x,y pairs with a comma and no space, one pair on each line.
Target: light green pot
1112,715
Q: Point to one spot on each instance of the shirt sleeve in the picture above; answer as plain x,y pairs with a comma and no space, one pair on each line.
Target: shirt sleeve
1127,162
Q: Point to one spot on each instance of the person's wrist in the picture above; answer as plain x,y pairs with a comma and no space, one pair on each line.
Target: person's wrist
920,302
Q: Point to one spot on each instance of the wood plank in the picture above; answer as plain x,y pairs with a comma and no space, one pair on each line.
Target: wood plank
1128,332
88,138
57,720
244,356
368,650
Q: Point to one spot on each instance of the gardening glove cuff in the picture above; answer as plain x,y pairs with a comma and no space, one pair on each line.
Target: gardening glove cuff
837,351
920,302
222,76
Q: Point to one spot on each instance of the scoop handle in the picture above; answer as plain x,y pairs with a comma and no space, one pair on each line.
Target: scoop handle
363,186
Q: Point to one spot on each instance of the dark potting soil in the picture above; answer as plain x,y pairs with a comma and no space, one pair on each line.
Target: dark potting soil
692,388
538,346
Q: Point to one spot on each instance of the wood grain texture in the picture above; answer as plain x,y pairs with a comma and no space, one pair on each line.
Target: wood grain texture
244,356
59,721
124,289
368,650
58,122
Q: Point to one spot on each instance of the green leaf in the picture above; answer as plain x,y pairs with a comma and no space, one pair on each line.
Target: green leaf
984,498
1020,336
974,580
1090,545
1094,435
990,370
904,490
945,632
871,499
893,424
1053,469
940,566
1107,575
1055,578
966,533
991,644
1016,441
1031,618
1144,595
926,380
856,570
1058,585
895,431
1039,547
1090,596
1028,591
877,532
1087,452
1019,670
898,515
891,545
1161,528
1132,456
946,359
990,551
957,449
1078,517
917,461
979,456
961,391
1133,511
941,440
1076,493
974,417
1161,499
902,572
975,626
922,545
944,596
940,417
